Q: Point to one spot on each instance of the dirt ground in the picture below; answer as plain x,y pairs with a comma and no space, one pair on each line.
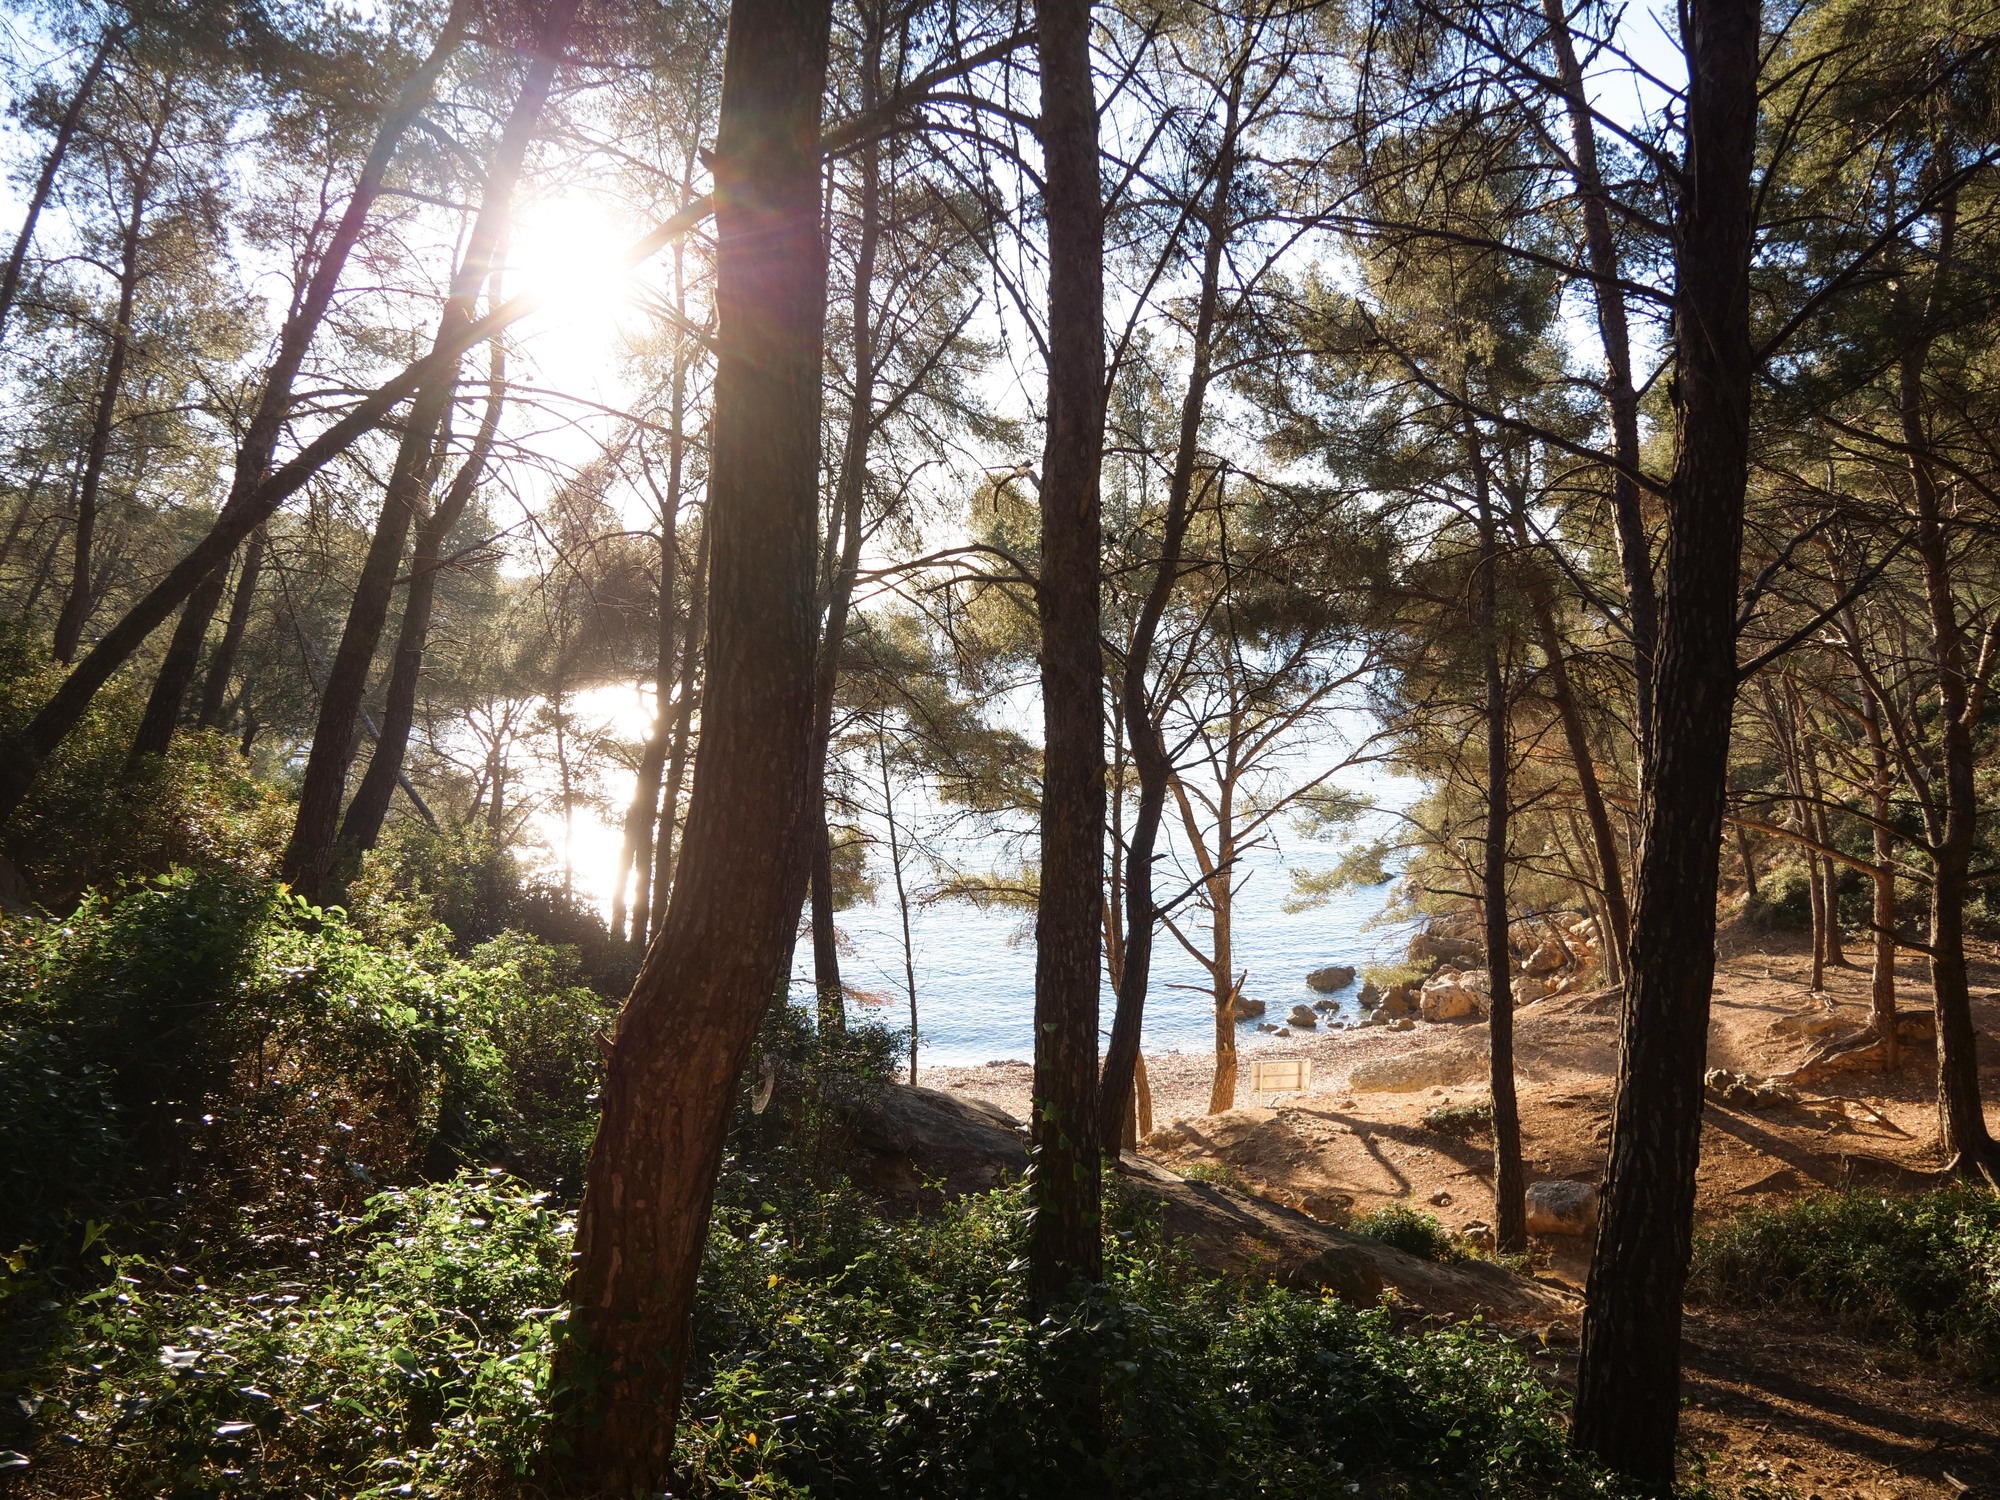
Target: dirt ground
1778,1401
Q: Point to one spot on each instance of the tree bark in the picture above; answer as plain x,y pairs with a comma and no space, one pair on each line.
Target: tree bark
1510,1209
310,856
693,1014
1065,1193
1628,1386
1140,716
77,602
45,182
362,826
274,401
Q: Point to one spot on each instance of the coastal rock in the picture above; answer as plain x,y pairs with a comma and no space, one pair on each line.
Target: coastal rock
1266,1026
1304,1015
1326,1006
1546,959
1395,1004
1332,977
1411,1071
1429,947
1454,995
1370,994
1246,1008
1562,1208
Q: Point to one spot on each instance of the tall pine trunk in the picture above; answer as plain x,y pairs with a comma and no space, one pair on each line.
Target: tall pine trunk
1137,710
45,181
1064,1237
311,854
1510,1211
1628,1381
362,826
222,666
1635,553
687,1029
77,601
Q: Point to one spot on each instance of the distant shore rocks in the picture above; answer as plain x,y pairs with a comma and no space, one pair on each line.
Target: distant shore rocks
1429,947
1248,1009
1304,1015
1454,995
1370,996
1332,977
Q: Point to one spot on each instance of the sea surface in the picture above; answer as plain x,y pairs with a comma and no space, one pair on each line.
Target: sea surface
975,967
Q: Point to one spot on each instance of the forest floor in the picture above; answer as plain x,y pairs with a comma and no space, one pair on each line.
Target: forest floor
1772,1398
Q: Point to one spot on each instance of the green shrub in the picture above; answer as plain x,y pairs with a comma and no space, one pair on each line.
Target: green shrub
1461,1120
205,1058
1405,1229
415,1366
1784,897
1922,1272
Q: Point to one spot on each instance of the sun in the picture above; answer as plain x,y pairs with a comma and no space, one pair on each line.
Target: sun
567,249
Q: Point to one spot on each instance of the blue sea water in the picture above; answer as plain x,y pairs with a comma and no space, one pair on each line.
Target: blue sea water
975,968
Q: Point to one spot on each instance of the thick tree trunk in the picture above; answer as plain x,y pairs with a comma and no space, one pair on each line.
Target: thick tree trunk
1064,1237
77,602
310,856
1137,710
362,826
688,1027
1635,553
1628,1385
45,182
1510,1209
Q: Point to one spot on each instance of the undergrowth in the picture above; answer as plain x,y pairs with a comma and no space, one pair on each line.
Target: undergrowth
1921,1273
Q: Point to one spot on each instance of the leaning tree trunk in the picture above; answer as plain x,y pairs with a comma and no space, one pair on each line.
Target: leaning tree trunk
1064,1239
45,182
1628,1380
311,854
1510,1209
76,603
1140,716
693,1014
274,403
362,826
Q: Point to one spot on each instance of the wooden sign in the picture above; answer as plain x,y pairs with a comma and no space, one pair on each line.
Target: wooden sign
1281,1075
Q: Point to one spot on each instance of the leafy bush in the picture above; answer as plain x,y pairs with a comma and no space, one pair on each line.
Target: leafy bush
836,1354
1405,1229
416,1366
1921,1272
1461,1120
210,1056
1784,897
